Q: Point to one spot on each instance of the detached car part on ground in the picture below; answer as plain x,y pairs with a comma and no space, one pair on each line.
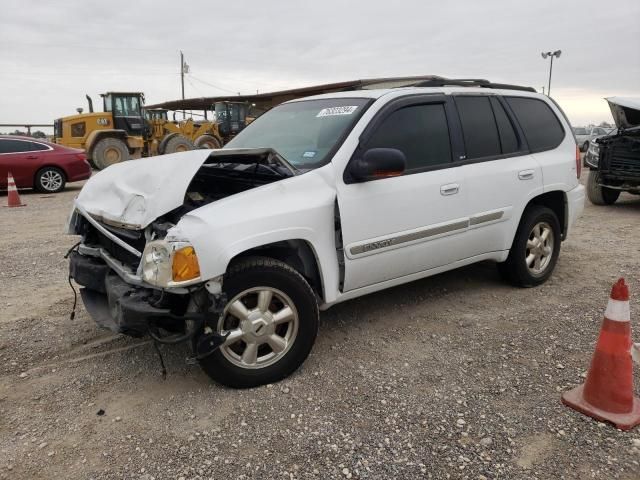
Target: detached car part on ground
614,160
237,250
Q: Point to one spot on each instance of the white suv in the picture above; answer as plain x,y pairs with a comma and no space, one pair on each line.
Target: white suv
318,201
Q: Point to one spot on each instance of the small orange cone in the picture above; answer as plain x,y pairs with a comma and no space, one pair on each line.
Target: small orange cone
607,394
13,199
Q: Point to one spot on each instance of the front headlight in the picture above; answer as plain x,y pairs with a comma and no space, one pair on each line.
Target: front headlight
170,264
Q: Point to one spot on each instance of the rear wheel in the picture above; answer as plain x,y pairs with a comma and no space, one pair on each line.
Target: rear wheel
50,180
207,141
178,143
535,248
598,194
271,319
109,151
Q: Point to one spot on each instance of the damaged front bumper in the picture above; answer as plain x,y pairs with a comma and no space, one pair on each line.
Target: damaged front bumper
137,311
114,304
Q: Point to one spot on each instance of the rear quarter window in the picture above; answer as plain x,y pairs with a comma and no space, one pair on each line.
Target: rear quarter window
541,127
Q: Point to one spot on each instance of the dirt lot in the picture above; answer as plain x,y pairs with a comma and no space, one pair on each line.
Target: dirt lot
455,376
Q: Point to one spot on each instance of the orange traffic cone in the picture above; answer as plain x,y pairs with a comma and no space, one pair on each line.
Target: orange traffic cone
607,395
13,199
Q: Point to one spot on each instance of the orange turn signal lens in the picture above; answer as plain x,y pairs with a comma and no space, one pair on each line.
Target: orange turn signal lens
185,265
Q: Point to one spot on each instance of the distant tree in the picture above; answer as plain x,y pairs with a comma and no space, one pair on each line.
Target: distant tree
39,134
18,132
605,125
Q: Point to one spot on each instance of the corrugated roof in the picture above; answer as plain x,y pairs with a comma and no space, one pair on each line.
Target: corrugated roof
271,99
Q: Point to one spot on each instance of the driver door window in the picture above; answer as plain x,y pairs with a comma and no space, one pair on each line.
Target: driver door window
420,132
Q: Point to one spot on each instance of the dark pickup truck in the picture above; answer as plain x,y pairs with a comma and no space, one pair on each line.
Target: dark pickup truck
615,163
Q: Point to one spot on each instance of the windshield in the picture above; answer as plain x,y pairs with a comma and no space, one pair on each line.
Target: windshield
305,132
580,131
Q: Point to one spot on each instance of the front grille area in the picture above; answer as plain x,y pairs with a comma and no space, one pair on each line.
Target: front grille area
621,157
135,238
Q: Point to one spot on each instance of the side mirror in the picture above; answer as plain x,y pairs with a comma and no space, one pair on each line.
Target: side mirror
378,163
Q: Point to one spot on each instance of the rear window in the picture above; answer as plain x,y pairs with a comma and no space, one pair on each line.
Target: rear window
580,131
541,127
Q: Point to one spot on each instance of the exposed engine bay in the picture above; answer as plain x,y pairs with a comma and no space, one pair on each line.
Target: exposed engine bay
224,175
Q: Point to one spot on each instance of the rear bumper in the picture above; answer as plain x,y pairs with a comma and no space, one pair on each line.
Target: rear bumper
575,205
113,303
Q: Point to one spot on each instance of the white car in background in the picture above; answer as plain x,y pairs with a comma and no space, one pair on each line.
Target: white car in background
319,201
583,136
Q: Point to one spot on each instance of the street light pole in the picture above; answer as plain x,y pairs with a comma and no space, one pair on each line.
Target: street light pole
550,54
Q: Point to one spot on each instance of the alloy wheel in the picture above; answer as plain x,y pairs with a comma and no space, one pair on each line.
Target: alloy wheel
539,249
262,325
51,180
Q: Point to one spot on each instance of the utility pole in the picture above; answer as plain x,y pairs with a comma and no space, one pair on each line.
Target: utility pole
184,68
182,72
551,54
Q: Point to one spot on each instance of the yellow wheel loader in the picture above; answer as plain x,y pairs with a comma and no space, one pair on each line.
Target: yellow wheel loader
120,132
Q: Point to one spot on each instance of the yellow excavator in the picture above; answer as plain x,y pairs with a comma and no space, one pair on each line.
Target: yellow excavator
126,130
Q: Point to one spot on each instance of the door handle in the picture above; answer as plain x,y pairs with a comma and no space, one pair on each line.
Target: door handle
526,174
31,157
450,189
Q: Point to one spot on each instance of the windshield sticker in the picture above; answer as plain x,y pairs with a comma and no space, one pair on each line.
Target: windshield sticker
309,154
332,111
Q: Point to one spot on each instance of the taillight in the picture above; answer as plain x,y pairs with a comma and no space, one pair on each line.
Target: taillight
578,162
81,156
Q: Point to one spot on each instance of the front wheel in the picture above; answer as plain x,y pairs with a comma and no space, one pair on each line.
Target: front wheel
208,141
178,143
271,319
535,248
599,195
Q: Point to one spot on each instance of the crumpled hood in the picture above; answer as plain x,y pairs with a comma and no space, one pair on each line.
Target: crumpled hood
134,193
625,111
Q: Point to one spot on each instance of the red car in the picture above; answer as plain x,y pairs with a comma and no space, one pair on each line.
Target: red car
45,166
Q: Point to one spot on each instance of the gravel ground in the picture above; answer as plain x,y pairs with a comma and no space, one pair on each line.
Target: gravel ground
455,376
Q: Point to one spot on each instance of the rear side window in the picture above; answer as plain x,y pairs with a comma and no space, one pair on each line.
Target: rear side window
541,127
37,146
479,127
14,146
508,138
421,132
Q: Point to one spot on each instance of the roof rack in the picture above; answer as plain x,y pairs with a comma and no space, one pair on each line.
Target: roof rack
470,82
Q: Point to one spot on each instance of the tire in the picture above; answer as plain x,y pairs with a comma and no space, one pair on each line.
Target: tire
207,141
178,143
516,269
599,195
243,283
109,151
50,180
585,146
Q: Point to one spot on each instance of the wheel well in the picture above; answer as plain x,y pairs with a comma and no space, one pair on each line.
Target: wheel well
298,254
64,173
556,201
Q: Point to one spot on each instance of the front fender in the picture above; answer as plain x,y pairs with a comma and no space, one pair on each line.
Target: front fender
300,208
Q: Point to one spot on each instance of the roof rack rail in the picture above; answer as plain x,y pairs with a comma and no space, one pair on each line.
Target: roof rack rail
470,82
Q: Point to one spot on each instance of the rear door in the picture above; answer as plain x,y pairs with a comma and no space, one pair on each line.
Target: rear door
501,175
398,226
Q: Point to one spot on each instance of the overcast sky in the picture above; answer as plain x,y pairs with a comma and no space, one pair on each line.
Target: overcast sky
53,52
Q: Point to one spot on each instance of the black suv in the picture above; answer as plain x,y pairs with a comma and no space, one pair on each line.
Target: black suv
616,166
